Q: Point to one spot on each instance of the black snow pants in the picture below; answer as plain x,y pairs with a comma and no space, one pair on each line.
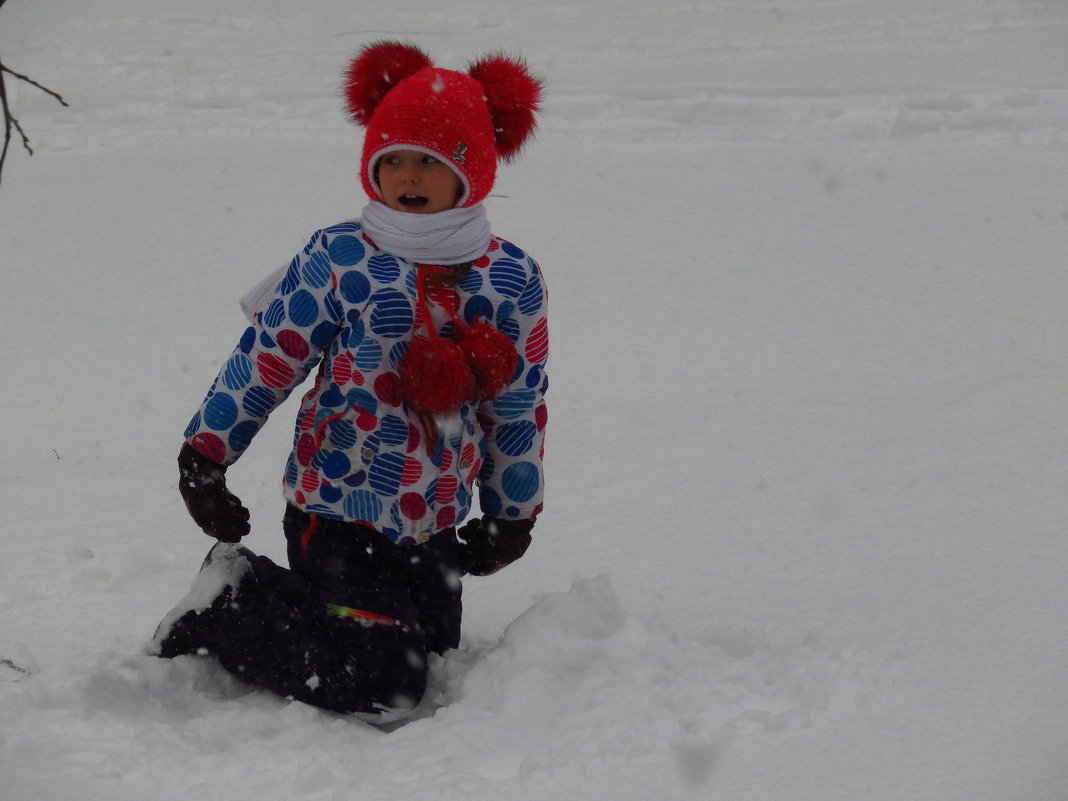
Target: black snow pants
350,625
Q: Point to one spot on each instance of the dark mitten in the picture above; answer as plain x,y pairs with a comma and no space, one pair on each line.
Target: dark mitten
212,506
487,545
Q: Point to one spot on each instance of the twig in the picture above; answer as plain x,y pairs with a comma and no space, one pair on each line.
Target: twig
10,122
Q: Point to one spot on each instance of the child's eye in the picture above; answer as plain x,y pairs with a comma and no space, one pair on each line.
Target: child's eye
429,160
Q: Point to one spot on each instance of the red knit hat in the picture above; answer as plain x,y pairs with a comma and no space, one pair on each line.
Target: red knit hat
466,120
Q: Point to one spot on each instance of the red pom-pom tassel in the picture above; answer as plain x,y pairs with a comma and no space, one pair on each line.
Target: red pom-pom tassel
492,357
513,96
435,376
376,69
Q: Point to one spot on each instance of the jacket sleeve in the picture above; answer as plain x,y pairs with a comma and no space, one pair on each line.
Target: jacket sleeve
276,353
512,480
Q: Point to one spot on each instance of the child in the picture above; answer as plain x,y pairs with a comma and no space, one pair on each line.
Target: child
429,335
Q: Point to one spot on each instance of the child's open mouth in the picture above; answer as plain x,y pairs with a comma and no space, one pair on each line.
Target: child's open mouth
413,201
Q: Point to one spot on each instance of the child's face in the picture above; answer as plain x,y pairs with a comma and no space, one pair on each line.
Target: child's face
416,182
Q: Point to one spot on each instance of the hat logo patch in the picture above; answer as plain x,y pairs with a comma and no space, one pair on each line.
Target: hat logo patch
459,153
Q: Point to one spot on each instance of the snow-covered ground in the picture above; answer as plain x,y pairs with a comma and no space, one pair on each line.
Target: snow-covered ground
808,458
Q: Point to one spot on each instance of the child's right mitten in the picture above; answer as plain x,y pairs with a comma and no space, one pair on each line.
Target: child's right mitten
212,506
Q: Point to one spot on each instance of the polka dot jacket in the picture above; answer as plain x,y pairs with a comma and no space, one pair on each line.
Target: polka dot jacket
359,454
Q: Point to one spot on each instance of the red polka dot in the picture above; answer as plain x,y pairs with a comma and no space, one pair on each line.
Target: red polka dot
306,449
273,371
467,456
412,505
445,492
209,445
341,370
387,388
446,459
537,347
413,469
541,416
293,344
446,517
310,480
366,421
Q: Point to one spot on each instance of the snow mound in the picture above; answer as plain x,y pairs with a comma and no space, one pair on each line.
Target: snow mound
576,684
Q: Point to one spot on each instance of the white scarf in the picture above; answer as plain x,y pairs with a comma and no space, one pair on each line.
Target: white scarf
455,236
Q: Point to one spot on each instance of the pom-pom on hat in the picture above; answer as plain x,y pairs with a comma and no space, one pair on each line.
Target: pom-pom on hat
467,120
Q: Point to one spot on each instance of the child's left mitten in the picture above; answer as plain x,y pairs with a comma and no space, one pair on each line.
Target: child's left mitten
487,545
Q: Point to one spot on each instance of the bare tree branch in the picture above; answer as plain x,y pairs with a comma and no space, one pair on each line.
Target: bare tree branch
10,122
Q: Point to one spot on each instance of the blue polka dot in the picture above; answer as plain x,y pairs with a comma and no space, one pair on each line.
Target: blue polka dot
478,308
363,505
368,355
392,314
241,434
510,328
194,426
330,493
220,412
352,337
386,472
394,430
516,439
520,481
265,340
292,278
508,277
334,310
490,501
504,311
248,339
343,228
354,286
292,471
531,299
275,314
512,250
258,401
396,353
323,334
510,405
356,479
346,250
336,465
332,398
534,377
317,270
362,399
383,269
472,283
303,308
238,371
463,497
343,434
